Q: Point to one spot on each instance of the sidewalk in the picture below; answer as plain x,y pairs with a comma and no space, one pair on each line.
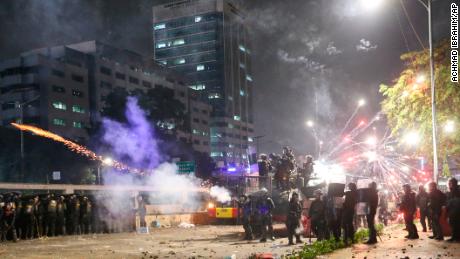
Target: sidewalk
394,245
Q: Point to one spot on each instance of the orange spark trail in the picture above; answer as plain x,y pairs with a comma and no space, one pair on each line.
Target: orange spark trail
71,145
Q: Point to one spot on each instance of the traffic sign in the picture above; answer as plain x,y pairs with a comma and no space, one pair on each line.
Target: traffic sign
186,167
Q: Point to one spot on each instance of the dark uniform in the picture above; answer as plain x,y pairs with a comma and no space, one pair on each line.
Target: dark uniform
437,199
422,203
351,199
408,207
74,215
265,208
51,216
29,219
38,216
246,216
334,218
85,215
373,203
316,213
453,209
293,219
61,208
8,221
20,227
264,168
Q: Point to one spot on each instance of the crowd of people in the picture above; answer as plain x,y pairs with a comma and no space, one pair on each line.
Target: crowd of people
338,217
47,215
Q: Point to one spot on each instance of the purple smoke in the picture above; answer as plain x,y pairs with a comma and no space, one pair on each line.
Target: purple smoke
133,142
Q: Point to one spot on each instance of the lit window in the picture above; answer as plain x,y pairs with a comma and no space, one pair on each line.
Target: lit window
179,61
78,109
229,154
77,124
250,139
244,156
196,132
60,106
242,48
236,117
249,78
242,65
199,67
198,18
161,45
59,122
178,42
164,62
159,26
198,87
231,145
230,98
205,133
217,154
230,126
214,96
241,92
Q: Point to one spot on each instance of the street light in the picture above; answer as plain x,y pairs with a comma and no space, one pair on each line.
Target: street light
371,5
310,123
371,141
107,161
361,102
412,138
20,106
420,79
449,127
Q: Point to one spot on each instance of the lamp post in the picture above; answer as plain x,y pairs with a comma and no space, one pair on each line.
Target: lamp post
20,106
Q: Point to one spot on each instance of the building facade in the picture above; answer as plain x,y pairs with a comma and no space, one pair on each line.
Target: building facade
208,42
104,68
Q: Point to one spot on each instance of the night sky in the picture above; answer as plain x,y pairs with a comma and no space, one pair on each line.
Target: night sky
332,46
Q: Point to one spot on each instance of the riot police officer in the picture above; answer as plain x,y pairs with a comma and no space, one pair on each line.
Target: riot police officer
8,221
316,214
293,219
265,209
51,215
264,168
373,203
245,205
408,207
61,208
453,209
422,203
351,199
85,215
437,199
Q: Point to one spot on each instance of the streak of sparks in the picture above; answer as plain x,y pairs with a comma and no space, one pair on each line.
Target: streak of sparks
72,146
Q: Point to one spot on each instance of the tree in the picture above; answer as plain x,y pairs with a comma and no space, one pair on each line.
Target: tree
407,103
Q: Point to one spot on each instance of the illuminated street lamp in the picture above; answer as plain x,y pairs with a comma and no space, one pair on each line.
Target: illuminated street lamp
361,102
310,123
371,5
420,79
412,138
449,127
108,161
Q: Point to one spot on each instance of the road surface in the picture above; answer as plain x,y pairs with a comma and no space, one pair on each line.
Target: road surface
197,242
394,245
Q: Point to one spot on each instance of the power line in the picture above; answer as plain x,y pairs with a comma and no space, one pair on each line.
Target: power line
411,25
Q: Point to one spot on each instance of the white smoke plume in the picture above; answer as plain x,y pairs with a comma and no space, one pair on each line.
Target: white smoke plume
221,194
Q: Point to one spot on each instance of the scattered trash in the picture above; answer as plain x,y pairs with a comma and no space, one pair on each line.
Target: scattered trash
155,224
186,225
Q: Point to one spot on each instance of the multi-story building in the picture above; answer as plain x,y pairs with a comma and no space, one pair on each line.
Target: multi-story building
51,93
105,68
207,41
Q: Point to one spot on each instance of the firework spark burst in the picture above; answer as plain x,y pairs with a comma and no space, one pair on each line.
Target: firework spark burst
72,146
